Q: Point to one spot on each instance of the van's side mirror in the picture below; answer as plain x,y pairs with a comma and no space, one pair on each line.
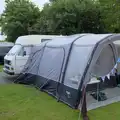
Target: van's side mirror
24,53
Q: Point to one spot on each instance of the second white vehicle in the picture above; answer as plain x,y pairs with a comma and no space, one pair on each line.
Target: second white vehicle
17,57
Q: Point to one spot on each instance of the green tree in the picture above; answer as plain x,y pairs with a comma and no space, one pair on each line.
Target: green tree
111,15
18,17
69,17
43,24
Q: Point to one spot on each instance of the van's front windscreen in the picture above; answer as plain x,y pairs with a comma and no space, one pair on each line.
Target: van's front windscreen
15,50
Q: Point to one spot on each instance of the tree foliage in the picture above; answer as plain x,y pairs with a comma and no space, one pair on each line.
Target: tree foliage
22,17
111,15
69,17
18,17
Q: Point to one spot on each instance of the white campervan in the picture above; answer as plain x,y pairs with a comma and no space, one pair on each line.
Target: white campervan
17,57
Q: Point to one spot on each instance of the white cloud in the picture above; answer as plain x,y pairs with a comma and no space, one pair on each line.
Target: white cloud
38,2
2,5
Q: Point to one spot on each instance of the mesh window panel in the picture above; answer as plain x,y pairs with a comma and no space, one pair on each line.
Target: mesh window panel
51,63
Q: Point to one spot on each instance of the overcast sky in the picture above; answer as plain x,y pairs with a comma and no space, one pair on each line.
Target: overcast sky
38,2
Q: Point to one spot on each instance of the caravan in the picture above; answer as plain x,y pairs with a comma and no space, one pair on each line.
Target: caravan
17,57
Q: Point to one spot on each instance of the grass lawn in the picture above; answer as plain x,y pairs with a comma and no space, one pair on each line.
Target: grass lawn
19,102
1,68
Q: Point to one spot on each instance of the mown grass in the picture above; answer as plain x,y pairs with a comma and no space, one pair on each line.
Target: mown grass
18,102
1,68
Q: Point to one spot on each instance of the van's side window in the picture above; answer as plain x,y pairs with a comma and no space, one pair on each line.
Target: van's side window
21,52
26,50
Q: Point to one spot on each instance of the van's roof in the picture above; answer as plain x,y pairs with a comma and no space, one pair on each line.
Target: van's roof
33,39
28,36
